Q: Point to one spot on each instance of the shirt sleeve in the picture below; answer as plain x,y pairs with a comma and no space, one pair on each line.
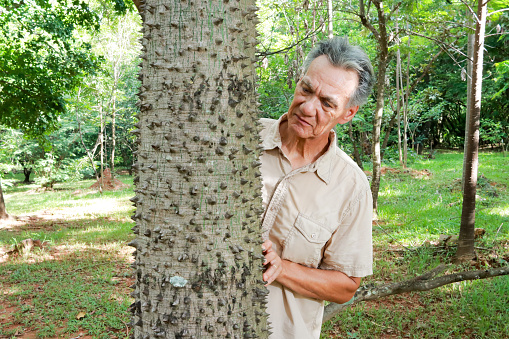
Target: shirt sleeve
350,248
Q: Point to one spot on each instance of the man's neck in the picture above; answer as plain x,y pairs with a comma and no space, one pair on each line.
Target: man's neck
301,152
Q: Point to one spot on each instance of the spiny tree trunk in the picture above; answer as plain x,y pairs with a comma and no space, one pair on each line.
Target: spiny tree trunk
3,211
198,207
466,238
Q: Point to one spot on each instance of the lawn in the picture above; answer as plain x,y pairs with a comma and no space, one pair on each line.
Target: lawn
77,284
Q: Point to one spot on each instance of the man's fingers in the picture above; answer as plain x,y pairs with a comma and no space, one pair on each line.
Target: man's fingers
271,273
267,245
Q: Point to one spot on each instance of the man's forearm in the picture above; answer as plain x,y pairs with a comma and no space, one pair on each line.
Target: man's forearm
327,285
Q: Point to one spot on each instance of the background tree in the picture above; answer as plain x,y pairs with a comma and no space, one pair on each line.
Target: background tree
198,206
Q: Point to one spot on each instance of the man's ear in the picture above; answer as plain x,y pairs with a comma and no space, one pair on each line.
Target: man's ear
348,115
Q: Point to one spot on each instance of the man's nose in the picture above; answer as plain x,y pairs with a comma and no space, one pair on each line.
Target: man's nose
310,106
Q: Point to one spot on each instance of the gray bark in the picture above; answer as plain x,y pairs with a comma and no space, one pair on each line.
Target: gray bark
198,261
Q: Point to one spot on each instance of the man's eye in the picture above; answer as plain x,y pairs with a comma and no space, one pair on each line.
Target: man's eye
306,90
326,104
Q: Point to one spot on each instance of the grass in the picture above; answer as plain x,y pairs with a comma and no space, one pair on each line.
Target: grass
79,283
416,206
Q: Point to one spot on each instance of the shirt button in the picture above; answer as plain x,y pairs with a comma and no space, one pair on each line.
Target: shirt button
313,235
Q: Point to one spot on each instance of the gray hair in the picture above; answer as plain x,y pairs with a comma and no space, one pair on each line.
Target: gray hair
341,54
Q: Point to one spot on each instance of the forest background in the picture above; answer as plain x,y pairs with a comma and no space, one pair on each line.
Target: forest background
81,59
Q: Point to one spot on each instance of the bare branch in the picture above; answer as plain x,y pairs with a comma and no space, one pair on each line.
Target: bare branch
498,11
425,282
262,54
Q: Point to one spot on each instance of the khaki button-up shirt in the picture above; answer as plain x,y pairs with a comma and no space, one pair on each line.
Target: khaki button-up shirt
318,216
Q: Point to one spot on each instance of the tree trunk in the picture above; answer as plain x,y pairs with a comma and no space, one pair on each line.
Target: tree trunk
113,140
198,196
383,54
101,137
398,102
26,173
466,238
470,56
3,211
356,155
406,104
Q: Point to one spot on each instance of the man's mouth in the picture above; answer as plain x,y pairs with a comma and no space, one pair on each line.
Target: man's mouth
302,121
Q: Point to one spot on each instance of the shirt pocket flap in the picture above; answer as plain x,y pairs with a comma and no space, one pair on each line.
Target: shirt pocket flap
312,231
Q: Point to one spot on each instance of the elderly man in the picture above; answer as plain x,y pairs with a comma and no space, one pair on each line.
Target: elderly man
318,208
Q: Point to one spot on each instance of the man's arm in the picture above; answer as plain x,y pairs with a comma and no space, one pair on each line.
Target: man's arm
327,285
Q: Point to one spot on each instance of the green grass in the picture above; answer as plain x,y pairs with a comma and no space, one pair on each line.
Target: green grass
79,283
414,210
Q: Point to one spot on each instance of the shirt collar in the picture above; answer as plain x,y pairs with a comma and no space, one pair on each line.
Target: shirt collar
322,165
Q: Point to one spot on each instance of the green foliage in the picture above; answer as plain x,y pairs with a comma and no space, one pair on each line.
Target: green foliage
41,60
50,171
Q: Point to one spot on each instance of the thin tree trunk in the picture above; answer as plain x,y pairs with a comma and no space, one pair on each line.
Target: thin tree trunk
377,118
3,211
356,155
466,238
101,182
398,102
113,140
470,55
198,206
406,103
387,134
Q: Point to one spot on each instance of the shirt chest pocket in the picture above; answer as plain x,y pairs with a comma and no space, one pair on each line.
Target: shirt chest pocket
305,242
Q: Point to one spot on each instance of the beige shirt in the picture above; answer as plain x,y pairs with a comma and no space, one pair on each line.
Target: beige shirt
318,216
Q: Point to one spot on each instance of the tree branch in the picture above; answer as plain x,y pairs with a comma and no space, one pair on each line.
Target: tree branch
425,282
498,11
365,21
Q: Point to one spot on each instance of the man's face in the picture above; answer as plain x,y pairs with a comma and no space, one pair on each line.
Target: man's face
321,99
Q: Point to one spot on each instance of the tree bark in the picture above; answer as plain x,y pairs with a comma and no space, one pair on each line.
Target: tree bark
3,211
356,155
424,282
383,53
398,101
26,172
470,56
198,196
466,237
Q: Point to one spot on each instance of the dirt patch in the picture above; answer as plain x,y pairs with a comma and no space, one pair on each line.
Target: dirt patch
416,174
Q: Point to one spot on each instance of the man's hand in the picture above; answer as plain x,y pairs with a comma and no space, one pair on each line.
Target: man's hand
273,263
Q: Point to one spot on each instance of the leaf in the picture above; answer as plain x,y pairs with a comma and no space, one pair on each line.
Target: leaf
80,315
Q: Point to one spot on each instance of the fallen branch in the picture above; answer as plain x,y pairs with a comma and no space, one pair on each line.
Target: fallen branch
425,282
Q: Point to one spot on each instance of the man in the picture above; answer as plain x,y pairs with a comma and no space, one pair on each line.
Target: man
318,208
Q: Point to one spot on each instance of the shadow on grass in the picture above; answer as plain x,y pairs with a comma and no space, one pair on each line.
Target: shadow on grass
67,290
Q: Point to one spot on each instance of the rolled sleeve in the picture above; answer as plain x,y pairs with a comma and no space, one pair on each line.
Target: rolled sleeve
350,248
